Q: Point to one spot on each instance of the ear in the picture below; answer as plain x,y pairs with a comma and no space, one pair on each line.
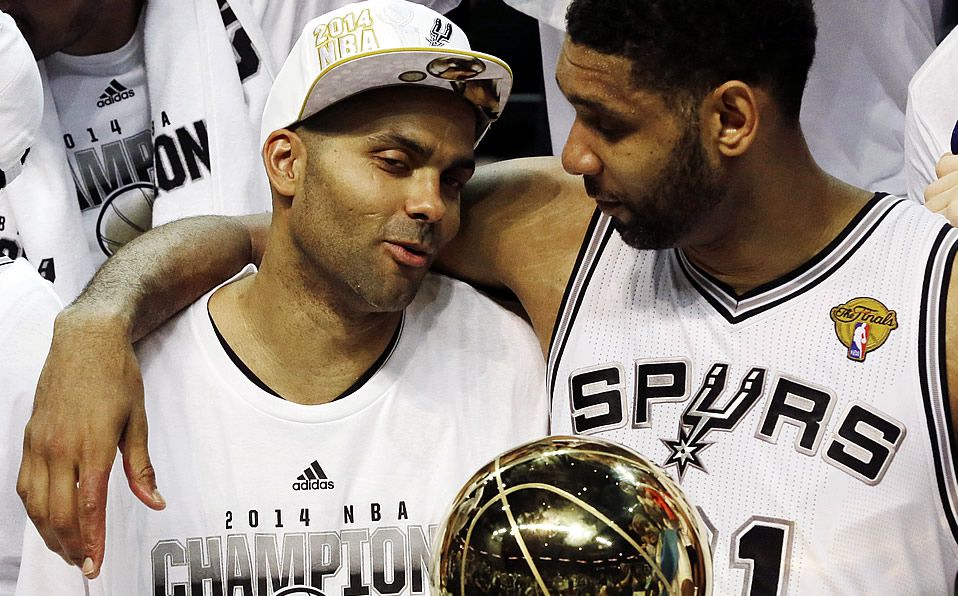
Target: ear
285,155
732,116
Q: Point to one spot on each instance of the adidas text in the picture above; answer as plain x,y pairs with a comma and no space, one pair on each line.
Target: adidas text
313,485
116,98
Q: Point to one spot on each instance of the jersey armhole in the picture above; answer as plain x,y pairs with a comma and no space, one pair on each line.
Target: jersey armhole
596,237
932,361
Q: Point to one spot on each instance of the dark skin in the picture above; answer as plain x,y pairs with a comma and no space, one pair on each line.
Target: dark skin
523,225
78,27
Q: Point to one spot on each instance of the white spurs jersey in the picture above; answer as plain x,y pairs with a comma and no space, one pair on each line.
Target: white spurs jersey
271,498
805,419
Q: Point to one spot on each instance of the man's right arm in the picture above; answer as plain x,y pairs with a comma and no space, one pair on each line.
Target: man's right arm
91,368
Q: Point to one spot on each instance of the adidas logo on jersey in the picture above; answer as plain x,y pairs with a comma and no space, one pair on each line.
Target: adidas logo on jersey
313,478
114,93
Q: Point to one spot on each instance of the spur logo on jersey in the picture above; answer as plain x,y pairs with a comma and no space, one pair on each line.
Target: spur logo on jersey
863,325
703,415
313,478
860,440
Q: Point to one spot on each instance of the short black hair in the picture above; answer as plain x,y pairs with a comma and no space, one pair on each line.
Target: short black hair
689,47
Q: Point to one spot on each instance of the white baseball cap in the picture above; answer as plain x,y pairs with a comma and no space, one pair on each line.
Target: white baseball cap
383,43
21,99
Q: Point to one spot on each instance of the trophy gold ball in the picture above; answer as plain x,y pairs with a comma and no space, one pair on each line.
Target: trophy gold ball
571,515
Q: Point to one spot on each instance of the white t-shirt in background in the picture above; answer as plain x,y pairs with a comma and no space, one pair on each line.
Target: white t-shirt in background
28,306
932,115
105,118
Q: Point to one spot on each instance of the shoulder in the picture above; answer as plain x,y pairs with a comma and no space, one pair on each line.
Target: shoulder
938,67
523,224
494,349
470,323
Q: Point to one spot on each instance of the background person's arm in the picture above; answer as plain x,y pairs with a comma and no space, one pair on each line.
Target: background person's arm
90,394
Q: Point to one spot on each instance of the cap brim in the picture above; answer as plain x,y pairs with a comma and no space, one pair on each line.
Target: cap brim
482,79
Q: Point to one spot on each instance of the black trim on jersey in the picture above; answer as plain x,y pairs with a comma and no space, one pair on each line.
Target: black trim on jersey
378,364
690,270
938,323
238,361
3,175
555,355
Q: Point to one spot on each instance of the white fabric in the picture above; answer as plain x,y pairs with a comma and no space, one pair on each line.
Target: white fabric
104,115
20,97
932,115
283,20
464,383
561,113
208,90
853,111
44,204
28,306
854,501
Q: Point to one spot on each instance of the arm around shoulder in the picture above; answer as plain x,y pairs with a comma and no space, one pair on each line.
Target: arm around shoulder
90,394
523,222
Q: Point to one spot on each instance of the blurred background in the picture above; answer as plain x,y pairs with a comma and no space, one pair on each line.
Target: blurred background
495,28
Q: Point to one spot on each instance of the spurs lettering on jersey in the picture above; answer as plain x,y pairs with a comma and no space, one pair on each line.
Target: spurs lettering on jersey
375,549
862,441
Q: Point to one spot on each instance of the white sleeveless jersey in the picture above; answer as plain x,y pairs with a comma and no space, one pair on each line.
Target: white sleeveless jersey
806,419
271,498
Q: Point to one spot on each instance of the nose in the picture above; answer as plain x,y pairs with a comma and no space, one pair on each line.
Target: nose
578,158
425,201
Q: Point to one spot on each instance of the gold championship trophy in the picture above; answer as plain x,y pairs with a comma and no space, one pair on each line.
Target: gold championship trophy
571,515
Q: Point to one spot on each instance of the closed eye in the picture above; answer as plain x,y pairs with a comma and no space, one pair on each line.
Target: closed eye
392,164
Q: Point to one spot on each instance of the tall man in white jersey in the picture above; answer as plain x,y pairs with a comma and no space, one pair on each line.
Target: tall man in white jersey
316,418
703,313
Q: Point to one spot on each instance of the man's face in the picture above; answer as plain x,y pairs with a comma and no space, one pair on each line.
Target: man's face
381,192
641,159
52,25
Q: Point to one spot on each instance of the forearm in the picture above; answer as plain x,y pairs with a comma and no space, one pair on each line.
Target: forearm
155,276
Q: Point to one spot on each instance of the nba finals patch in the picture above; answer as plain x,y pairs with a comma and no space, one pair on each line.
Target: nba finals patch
863,325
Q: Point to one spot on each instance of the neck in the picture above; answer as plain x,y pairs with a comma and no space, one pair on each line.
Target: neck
781,211
297,339
113,27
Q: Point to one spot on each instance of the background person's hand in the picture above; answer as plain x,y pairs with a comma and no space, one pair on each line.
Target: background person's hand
89,400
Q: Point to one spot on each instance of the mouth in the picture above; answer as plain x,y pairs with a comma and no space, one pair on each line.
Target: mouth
410,254
612,209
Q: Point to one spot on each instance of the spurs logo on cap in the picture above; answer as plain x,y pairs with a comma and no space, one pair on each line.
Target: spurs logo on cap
440,35
381,43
